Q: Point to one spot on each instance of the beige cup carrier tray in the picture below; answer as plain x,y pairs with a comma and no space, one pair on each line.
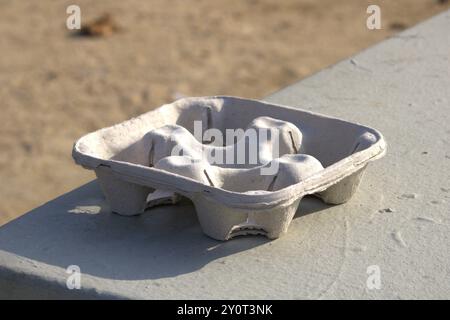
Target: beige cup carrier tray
326,157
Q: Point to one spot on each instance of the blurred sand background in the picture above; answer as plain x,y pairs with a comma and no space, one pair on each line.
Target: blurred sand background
55,87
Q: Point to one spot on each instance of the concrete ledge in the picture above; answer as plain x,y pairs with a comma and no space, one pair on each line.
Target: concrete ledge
398,220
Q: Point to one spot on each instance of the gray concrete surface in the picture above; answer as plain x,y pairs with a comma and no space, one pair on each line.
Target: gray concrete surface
399,220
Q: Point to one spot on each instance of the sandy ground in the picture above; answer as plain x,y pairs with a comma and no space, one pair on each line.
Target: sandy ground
55,87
